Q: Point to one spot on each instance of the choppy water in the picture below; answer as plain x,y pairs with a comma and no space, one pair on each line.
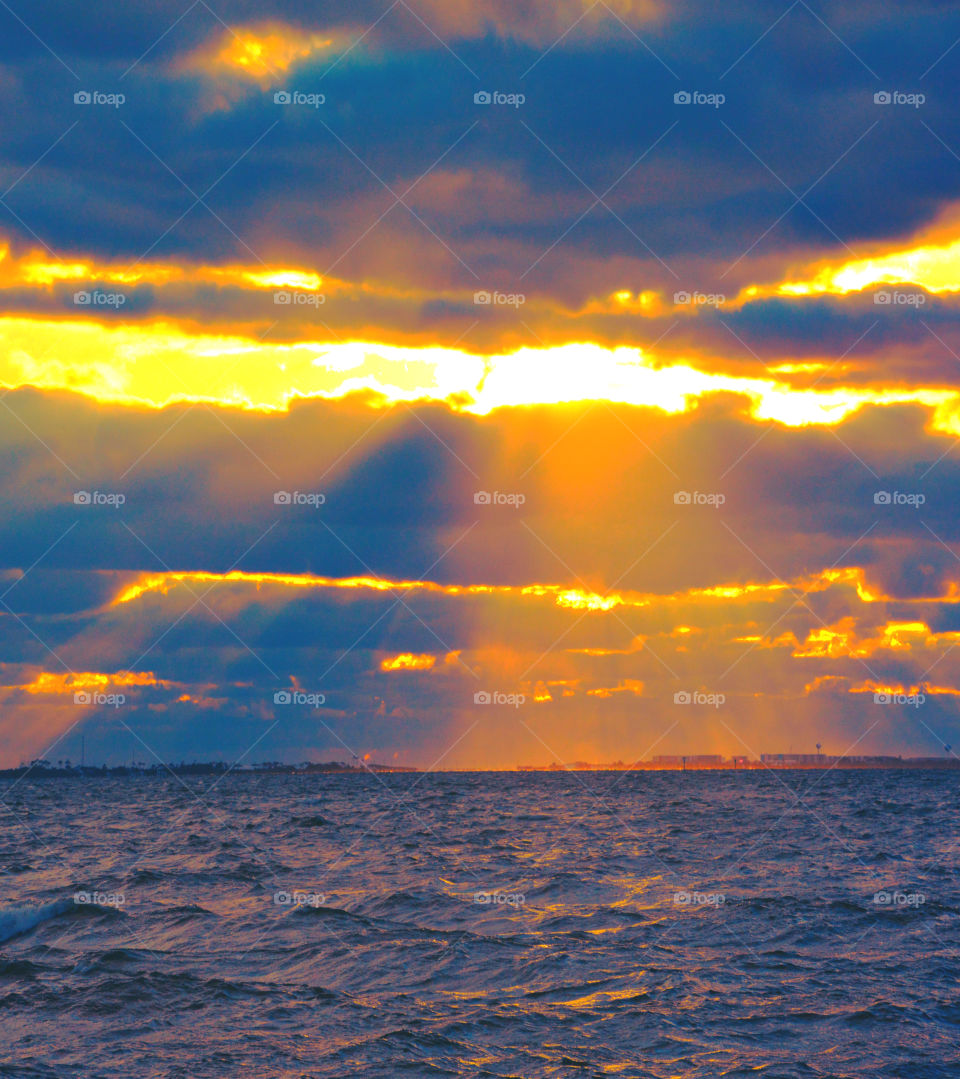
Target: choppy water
705,924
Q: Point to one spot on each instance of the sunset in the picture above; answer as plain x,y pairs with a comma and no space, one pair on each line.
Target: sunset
500,450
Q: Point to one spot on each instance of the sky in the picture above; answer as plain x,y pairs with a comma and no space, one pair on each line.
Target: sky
464,385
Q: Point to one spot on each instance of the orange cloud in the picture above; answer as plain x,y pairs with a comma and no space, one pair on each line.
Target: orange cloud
892,689
819,642
842,640
57,683
628,685
260,52
408,661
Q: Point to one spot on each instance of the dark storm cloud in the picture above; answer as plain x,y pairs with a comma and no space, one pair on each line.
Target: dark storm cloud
199,500
800,102
62,593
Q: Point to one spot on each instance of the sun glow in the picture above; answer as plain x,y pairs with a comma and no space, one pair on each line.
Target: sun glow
158,364
264,353
259,52
934,267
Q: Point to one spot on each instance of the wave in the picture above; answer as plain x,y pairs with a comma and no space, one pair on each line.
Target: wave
21,919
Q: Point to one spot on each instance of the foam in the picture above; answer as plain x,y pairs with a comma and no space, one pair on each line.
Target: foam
21,919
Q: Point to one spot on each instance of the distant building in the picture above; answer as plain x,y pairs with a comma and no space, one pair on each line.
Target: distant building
794,758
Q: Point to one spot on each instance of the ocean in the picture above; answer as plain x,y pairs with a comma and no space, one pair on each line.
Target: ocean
699,924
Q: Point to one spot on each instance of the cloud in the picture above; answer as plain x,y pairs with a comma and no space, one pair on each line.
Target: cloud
578,428
600,582
690,194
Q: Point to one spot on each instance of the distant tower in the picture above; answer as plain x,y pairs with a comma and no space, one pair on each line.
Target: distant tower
819,748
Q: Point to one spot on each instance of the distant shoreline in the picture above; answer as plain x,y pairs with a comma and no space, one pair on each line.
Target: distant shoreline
825,764
770,762
204,768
